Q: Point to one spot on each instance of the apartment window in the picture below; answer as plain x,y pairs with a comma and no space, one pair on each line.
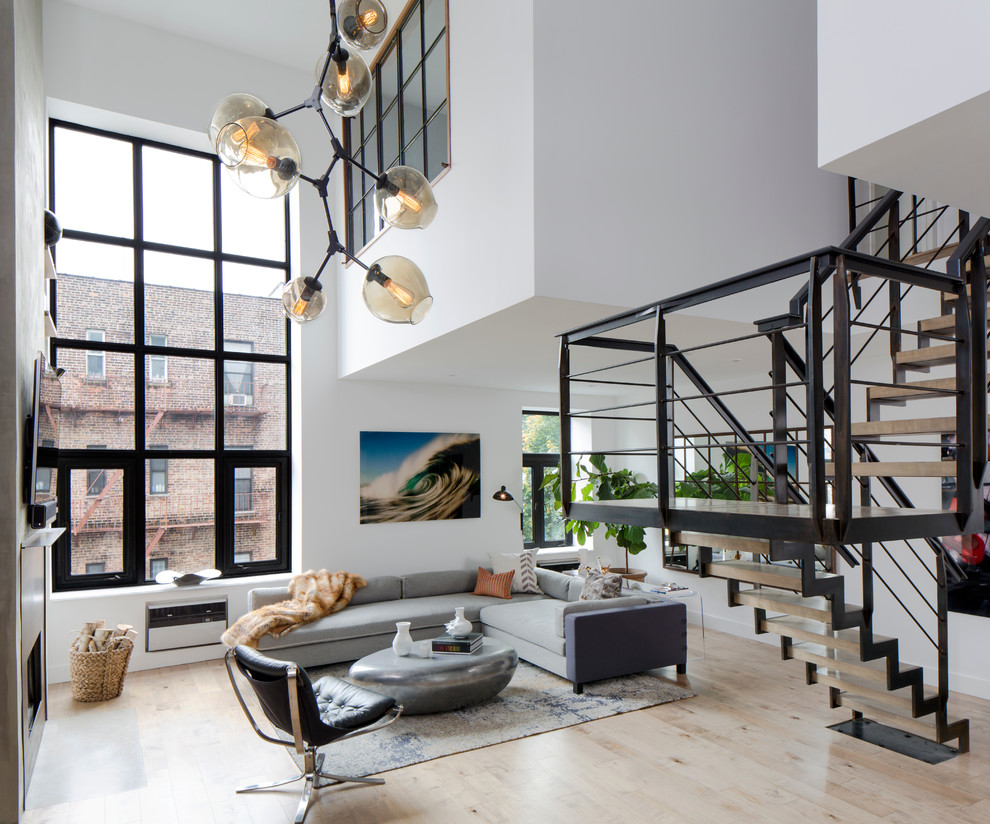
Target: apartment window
157,565
170,293
243,480
158,364
405,120
242,557
96,362
96,568
238,376
158,474
542,525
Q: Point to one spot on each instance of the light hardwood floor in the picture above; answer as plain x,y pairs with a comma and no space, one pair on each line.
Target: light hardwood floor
753,746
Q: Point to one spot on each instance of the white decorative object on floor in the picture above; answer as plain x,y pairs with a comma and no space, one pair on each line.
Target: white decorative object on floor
402,643
460,626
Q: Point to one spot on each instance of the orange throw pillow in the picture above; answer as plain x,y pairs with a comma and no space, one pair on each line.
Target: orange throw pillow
498,586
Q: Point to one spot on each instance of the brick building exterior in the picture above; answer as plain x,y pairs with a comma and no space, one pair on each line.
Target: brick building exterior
97,412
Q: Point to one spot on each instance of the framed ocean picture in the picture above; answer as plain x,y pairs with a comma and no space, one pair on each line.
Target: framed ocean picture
419,476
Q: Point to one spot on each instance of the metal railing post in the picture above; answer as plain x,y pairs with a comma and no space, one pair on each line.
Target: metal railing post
842,431
815,405
564,370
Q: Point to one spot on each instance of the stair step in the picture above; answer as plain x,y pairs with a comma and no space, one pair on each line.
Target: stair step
813,631
873,672
817,607
942,324
906,426
772,575
912,390
898,469
899,700
732,543
925,726
941,355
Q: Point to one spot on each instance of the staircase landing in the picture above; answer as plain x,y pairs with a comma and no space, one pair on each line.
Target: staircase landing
785,522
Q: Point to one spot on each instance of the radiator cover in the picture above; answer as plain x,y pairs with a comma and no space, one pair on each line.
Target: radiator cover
186,623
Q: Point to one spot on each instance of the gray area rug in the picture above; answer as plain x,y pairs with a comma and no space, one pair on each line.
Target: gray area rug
535,701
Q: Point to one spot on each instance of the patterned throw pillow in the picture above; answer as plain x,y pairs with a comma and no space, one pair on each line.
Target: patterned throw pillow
598,586
498,586
524,566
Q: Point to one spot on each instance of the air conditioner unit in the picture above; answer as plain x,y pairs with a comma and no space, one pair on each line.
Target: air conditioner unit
241,400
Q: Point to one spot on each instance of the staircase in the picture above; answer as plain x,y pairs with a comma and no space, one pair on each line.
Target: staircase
819,504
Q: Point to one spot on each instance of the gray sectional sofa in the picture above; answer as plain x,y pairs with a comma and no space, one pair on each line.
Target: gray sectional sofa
578,640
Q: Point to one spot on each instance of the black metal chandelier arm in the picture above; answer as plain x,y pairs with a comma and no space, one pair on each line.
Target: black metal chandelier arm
288,111
326,260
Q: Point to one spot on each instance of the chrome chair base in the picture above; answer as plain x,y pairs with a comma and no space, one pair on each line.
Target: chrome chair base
312,773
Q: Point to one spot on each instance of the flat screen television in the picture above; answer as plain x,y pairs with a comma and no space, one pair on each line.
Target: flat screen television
41,443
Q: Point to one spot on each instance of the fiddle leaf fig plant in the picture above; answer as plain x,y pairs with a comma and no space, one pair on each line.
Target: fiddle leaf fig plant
595,481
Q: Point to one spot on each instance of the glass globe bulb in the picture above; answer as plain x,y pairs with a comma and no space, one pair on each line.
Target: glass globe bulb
303,300
395,290
347,86
362,22
404,198
234,107
262,155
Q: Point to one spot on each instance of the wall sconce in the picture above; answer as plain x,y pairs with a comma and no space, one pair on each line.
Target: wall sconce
504,495
264,160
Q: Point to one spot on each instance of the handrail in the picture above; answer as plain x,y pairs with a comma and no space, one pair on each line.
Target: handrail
853,239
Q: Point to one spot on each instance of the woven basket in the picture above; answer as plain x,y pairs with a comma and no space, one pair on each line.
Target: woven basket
98,676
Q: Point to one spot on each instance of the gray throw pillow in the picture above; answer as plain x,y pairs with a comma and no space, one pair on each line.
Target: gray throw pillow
597,586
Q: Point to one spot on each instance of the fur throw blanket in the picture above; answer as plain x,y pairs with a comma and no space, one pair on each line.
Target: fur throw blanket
312,595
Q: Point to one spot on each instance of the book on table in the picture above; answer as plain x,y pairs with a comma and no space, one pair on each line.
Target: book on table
466,645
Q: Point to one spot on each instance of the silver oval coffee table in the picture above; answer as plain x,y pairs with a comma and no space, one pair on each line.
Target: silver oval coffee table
442,682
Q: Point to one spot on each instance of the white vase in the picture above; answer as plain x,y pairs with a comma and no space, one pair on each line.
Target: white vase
402,643
460,626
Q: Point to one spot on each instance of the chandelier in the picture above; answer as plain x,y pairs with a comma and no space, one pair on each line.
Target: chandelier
263,158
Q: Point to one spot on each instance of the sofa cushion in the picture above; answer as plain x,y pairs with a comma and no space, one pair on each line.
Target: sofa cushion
563,610
531,620
380,588
499,585
597,585
444,582
521,564
554,584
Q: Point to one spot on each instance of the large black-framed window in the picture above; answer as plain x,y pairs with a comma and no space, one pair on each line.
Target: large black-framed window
543,528
180,273
406,120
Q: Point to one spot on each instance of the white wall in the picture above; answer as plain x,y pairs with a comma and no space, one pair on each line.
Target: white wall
675,145
22,201
903,96
888,64
477,254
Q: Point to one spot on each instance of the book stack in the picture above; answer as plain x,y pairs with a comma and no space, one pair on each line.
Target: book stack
459,646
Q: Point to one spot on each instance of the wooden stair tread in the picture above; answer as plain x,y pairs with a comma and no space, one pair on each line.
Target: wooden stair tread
874,672
925,726
813,630
941,324
786,577
817,608
730,542
943,354
906,426
899,700
912,389
898,469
